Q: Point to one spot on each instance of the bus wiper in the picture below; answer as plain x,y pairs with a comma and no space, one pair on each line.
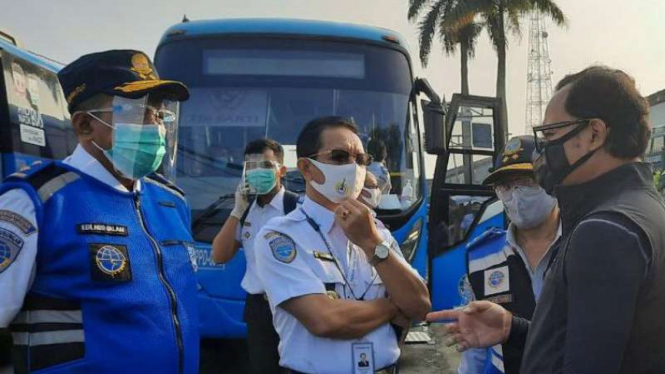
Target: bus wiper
210,210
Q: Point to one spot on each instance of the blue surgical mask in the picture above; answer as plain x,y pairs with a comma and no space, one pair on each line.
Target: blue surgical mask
261,180
137,150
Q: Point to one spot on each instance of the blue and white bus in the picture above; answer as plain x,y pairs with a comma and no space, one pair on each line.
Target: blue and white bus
252,78
34,121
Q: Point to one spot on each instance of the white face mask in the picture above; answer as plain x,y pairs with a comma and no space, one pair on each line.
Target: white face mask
375,197
527,206
341,181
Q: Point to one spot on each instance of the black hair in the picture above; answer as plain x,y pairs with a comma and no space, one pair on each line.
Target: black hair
611,95
259,146
309,140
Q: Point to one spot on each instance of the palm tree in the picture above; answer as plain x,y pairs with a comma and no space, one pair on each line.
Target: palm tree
501,17
463,32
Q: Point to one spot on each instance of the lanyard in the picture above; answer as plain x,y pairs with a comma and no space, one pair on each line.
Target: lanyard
317,228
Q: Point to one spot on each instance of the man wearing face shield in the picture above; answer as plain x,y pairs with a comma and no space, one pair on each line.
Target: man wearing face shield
334,283
263,169
512,275
602,304
98,277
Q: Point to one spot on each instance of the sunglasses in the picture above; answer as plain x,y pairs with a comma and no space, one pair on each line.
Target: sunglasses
342,157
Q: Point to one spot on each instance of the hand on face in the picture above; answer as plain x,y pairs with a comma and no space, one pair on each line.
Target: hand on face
357,222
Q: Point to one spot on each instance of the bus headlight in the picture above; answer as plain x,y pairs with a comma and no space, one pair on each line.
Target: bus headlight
410,244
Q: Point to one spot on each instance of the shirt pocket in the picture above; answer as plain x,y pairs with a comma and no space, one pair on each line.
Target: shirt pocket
325,268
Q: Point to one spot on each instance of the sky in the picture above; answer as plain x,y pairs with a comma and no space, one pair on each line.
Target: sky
629,35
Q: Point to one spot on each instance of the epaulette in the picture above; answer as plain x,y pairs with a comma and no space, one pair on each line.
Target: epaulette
161,181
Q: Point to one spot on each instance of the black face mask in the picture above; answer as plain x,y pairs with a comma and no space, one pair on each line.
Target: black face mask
551,166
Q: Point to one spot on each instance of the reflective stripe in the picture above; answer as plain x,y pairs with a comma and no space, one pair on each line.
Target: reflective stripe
49,316
50,337
54,185
487,262
164,187
498,363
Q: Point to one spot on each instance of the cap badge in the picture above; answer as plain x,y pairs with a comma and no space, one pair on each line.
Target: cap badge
141,66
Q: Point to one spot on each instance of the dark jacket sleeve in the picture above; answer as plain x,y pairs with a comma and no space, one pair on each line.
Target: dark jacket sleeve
518,331
605,266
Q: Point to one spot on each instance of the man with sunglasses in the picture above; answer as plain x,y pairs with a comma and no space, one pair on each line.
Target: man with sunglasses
94,262
602,305
263,170
512,274
334,282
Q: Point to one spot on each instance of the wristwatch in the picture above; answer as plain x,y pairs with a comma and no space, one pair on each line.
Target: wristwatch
381,252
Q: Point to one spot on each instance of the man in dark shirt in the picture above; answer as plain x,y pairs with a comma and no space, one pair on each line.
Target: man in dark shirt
602,305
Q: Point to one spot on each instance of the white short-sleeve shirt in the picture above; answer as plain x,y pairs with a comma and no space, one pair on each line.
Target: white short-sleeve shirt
294,261
256,218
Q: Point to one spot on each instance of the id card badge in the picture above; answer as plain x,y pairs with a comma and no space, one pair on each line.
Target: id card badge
362,357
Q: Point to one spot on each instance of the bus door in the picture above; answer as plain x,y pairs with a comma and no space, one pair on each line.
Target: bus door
461,208
34,121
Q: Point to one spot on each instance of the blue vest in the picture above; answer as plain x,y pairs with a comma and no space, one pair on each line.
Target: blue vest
115,290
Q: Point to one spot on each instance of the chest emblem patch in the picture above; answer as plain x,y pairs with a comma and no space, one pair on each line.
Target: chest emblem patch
497,280
110,262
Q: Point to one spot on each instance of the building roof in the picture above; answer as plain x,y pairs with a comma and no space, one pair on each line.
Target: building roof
656,98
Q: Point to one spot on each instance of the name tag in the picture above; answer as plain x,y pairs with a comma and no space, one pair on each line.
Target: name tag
362,357
323,256
101,229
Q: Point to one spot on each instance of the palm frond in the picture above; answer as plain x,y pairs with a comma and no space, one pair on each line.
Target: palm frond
427,30
415,6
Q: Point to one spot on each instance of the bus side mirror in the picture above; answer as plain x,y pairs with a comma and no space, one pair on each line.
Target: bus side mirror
433,118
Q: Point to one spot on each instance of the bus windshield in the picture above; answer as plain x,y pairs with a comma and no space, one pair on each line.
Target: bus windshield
244,88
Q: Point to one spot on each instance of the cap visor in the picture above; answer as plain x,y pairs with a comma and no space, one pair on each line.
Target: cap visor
525,168
171,89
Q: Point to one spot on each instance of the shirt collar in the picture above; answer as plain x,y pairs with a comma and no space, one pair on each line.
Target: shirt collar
322,216
85,163
511,239
277,201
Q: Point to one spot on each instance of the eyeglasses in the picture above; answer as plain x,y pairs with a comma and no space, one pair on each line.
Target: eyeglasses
139,110
505,186
541,141
343,157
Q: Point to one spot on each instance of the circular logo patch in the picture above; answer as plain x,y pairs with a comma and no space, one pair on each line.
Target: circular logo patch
496,278
110,260
283,248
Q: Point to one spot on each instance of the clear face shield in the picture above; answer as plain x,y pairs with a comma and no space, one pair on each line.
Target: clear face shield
259,175
145,134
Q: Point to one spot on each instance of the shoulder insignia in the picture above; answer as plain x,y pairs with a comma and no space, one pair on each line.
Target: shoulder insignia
17,220
10,246
282,247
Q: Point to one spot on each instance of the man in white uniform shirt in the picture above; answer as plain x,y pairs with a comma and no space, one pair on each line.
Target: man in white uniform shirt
263,168
334,282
